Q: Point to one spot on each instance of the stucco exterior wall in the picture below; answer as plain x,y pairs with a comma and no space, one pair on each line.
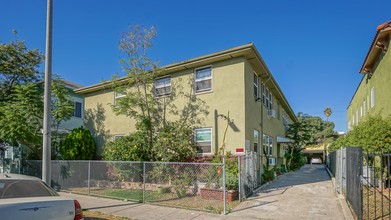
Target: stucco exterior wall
227,95
380,81
74,122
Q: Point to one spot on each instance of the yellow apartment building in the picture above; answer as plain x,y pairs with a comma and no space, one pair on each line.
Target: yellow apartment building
236,80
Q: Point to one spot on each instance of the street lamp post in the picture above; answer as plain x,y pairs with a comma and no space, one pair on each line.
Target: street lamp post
46,153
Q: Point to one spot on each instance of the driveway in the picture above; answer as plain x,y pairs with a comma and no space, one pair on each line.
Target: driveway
304,194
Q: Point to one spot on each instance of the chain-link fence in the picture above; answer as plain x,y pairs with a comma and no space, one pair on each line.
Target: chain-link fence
249,178
200,186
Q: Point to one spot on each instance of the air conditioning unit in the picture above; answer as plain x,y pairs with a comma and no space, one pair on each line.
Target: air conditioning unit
271,113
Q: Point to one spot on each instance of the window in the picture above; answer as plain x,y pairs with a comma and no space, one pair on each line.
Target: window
268,144
256,86
360,111
163,86
118,136
365,107
278,111
356,116
267,99
256,140
372,97
118,95
203,138
77,111
272,161
203,80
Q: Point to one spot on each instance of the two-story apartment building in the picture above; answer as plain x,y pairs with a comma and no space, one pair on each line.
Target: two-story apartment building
373,93
236,80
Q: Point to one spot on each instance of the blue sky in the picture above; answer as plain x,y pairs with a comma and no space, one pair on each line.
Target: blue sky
313,48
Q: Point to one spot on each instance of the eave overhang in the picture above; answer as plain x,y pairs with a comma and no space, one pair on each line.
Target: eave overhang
248,51
380,44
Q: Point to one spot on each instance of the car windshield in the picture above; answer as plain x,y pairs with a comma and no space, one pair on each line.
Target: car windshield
11,188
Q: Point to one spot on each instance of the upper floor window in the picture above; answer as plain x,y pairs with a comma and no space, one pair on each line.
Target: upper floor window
77,111
118,95
267,97
256,86
203,79
203,138
365,107
163,86
372,97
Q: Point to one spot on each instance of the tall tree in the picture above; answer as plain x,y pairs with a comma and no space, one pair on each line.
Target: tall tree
299,133
18,66
327,112
151,113
21,104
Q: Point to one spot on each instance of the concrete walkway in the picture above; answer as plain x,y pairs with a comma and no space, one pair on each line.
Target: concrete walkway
304,194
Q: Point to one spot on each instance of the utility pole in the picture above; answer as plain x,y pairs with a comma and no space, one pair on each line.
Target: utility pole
46,153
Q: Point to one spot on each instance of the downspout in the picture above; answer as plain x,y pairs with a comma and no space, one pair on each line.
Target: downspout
261,156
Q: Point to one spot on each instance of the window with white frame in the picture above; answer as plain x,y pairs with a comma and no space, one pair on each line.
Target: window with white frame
117,96
77,111
272,161
365,106
372,97
118,136
267,98
203,79
256,85
268,144
162,86
357,116
361,111
256,140
203,139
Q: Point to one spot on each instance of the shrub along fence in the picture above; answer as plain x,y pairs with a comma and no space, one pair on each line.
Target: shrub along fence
200,186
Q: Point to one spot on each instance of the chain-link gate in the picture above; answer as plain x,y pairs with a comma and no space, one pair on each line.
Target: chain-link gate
248,177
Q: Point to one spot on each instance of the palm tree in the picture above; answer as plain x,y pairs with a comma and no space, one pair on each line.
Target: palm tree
327,113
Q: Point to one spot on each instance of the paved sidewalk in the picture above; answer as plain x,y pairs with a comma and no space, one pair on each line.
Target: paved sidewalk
304,194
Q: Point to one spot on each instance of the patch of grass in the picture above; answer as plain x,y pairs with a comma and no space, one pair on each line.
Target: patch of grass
92,215
166,199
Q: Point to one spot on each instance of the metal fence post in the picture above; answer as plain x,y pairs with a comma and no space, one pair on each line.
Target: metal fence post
340,171
224,188
143,182
89,177
239,180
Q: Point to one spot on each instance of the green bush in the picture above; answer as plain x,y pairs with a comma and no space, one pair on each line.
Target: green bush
268,175
78,145
129,148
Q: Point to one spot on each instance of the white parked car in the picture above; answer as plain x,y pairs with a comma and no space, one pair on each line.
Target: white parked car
26,197
316,160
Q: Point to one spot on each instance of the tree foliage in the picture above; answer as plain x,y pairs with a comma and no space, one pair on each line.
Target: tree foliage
327,112
128,148
299,133
21,103
165,127
320,131
18,66
373,133
78,145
